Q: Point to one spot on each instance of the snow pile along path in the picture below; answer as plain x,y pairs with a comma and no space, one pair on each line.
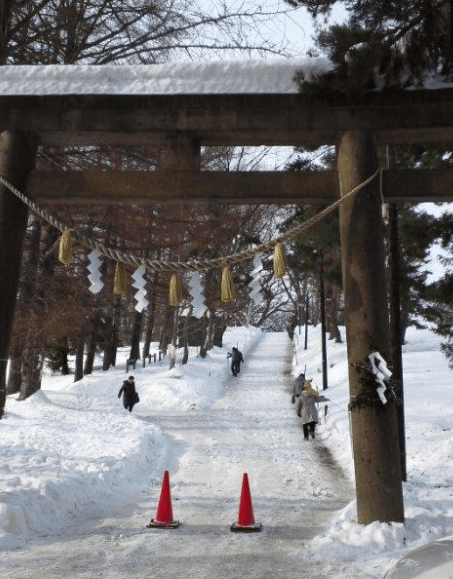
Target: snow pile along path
253,428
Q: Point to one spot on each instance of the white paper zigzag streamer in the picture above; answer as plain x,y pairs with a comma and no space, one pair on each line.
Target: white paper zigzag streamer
196,292
139,284
381,372
254,285
93,266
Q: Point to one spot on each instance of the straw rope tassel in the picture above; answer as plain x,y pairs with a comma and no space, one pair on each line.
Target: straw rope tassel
228,289
65,249
120,283
279,261
175,291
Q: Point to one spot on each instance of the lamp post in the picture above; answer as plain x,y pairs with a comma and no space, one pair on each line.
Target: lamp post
306,321
395,323
323,318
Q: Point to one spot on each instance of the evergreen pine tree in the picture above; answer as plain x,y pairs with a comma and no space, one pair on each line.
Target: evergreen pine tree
384,43
393,44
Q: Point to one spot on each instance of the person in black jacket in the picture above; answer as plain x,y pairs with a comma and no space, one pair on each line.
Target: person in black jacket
236,359
130,396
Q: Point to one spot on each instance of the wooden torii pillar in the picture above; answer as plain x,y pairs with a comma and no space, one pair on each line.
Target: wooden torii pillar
16,160
374,428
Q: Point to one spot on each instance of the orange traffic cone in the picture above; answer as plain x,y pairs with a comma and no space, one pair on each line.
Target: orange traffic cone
246,520
164,515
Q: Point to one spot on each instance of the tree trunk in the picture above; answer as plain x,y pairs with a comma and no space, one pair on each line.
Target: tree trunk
151,310
32,366
210,331
91,345
374,427
41,265
33,356
64,361
109,349
111,343
204,326
136,336
174,338
332,313
29,355
148,333
405,318
14,376
185,336
15,367
80,349
167,330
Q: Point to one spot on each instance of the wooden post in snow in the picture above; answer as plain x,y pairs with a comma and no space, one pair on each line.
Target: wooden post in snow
16,160
374,428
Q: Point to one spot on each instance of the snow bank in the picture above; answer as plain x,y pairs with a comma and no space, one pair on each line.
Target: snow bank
71,448
429,437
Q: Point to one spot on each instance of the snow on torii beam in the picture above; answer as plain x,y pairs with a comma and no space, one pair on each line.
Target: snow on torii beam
214,103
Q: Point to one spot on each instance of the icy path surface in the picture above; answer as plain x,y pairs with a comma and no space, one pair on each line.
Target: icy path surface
253,428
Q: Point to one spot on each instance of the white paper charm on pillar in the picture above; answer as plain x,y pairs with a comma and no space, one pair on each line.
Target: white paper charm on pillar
94,259
255,284
140,283
196,292
381,372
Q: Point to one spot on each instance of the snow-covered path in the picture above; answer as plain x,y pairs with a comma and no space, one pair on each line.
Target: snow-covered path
252,428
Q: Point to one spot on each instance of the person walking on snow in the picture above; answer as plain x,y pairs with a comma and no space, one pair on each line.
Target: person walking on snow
306,409
236,359
298,387
130,396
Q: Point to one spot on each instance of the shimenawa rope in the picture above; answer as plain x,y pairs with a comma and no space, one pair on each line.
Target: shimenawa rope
193,264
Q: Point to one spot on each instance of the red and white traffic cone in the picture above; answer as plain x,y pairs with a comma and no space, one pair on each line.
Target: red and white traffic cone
164,515
246,520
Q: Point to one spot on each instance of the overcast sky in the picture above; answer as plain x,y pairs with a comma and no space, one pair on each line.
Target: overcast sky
294,25
298,24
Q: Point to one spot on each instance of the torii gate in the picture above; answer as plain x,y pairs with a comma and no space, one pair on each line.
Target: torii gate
184,123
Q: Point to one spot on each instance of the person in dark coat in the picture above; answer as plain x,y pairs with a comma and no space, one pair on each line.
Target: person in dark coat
236,359
130,396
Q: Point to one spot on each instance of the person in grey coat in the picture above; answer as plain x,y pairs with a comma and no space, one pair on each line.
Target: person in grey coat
306,409
298,387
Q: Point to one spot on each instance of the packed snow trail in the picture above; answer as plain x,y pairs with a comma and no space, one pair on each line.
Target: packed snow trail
252,428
